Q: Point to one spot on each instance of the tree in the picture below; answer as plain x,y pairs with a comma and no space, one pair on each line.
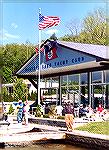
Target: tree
4,94
93,30
94,27
7,75
1,71
20,90
53,37
1,61
74,27
12,56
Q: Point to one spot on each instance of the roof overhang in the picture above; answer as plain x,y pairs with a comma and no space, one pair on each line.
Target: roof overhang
72,69
80,58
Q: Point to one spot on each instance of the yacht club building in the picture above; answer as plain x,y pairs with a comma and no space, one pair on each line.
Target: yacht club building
81,69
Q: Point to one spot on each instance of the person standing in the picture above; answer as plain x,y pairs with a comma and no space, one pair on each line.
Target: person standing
69,117
76,109
47,109
20,112
5,114
58,110
25,112
100,110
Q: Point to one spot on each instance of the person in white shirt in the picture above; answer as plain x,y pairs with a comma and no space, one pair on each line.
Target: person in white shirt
59,109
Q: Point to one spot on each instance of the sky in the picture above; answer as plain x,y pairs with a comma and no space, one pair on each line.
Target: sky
19,20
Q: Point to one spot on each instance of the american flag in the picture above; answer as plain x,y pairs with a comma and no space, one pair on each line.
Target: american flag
48,21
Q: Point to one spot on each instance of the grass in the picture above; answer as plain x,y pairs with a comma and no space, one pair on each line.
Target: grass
96,127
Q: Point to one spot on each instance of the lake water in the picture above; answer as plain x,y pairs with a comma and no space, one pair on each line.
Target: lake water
47,147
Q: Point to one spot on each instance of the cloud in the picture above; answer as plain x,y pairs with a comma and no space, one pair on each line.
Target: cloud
50,32
4,35
14,25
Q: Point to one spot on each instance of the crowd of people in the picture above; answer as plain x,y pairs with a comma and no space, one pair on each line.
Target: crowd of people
67,109
71,111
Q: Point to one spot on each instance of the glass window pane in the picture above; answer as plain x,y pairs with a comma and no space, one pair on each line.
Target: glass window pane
83,78
97,76
64,80
74,79
107,76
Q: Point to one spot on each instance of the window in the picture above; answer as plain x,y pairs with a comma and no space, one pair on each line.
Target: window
83,78
97,77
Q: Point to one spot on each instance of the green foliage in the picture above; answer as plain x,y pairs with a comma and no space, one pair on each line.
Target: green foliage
6,96
46,116
61,117
94,29
4,93
33,96
53,37
50,92
98,91
20,90
11,109
38,111
7,75
11,58
73,83
64,90
52,111
1,61
45,93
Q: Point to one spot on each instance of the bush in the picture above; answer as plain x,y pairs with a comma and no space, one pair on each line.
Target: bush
11,109
52,110
38,112
46,116
61,117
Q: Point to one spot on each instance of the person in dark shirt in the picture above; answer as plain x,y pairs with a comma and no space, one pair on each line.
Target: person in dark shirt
47,109
69,117
82,111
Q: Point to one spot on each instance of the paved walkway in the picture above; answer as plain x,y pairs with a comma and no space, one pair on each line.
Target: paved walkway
15,135
14,127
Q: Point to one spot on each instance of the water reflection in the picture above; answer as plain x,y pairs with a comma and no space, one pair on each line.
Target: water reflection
48,147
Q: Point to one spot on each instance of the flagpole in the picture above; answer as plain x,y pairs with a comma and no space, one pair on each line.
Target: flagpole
39,63
45,22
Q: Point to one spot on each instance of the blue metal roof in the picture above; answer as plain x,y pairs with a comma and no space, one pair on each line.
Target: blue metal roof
96,50
71,57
